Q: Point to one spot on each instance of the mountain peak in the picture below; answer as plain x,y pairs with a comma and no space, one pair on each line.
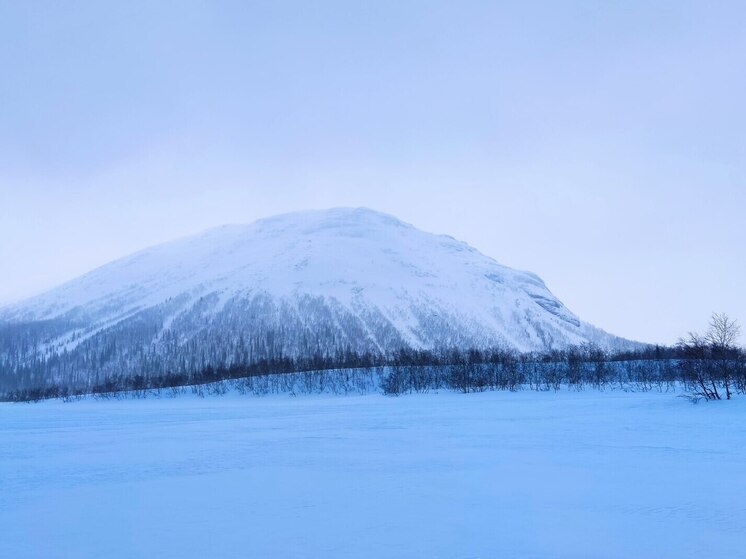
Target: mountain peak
334,219
354,276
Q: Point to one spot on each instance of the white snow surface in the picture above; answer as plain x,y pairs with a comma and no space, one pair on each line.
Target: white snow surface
540,475
357,260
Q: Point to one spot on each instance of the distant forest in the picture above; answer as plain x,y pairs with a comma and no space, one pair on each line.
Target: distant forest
707,366
702,371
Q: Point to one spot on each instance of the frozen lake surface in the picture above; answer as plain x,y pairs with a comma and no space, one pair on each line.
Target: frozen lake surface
590,474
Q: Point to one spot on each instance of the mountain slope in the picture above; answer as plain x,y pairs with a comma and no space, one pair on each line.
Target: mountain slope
292,285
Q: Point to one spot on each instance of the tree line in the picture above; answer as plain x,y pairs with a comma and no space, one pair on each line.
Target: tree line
708,365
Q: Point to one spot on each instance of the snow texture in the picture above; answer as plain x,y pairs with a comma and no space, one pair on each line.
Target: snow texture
361,279
589,474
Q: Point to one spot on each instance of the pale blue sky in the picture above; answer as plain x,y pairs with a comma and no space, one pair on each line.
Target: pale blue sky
601,145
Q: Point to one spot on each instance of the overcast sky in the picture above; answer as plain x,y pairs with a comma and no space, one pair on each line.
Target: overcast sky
601,145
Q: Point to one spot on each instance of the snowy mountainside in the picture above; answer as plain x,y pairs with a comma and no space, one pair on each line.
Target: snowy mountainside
296,284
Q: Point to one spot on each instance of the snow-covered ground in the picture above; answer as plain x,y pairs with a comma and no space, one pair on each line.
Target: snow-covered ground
488,475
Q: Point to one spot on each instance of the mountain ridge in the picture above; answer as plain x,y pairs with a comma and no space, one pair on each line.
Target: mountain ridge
345,279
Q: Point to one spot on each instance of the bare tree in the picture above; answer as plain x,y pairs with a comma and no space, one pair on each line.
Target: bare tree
695,368
721,337
712,359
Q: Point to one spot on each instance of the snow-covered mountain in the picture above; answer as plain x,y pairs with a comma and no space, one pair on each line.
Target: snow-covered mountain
296,284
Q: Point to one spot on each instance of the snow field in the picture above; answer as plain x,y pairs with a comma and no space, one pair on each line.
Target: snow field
590,474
